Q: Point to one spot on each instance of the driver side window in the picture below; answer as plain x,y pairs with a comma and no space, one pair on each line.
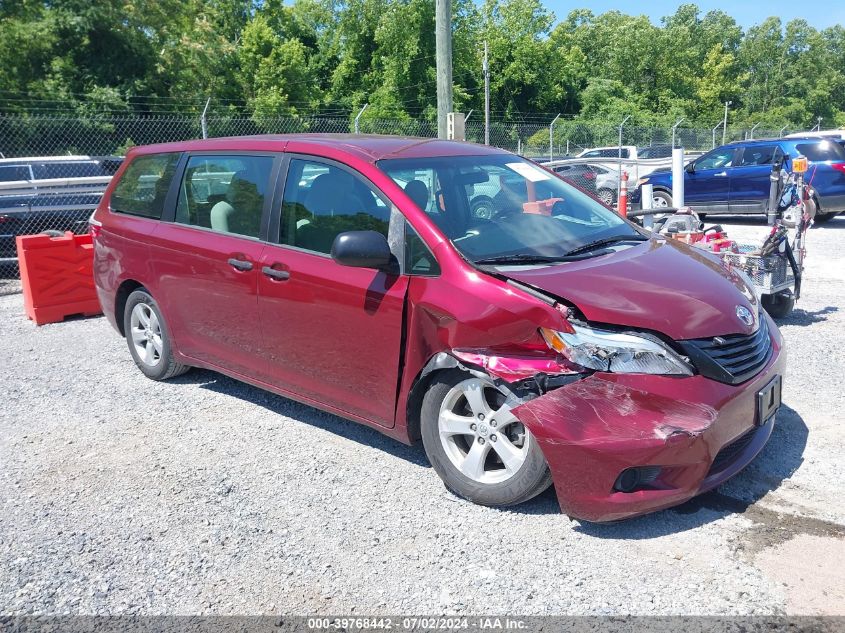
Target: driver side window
717,159
322,200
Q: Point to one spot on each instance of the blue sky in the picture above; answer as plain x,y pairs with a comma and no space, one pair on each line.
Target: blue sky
819,13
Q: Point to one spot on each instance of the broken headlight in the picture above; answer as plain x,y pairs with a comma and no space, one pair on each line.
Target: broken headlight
616,352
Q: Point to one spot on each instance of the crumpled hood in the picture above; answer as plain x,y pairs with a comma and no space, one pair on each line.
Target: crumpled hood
660,285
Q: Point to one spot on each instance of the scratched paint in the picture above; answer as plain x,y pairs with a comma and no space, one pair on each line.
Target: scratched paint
595,409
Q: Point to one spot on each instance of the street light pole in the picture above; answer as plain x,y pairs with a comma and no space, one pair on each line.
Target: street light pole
443,53
725,129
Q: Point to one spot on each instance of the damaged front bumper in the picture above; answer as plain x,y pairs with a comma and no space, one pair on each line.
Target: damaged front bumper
684,436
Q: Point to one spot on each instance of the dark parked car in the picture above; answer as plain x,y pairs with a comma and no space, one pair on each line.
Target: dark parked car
55,193
600,181
554,342
734,178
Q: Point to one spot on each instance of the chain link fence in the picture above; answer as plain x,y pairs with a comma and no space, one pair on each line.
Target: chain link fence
32,203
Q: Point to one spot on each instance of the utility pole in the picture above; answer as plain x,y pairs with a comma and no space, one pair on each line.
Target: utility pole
443,50
725,129
486,69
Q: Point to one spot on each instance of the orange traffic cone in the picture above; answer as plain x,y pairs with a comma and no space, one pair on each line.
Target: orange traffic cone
622,205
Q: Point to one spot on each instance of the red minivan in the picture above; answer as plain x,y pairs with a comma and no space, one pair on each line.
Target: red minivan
545,340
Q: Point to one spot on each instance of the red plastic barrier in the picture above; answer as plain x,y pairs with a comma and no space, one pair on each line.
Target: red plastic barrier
57,276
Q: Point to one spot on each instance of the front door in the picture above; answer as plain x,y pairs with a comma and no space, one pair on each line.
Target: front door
207,260
708,187
332,334
751,178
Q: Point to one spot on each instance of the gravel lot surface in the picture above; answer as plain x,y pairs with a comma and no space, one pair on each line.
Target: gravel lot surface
204,495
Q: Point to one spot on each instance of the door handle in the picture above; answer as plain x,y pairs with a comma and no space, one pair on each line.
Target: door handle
240,264
281,275
721,173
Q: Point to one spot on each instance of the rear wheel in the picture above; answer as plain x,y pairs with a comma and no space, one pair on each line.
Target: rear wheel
821,218
483,207
779,305
481,451
148,337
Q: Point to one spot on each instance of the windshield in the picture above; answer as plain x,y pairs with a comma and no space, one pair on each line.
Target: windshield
495,207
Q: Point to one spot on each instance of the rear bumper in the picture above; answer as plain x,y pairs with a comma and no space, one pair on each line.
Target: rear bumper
698,431
831,204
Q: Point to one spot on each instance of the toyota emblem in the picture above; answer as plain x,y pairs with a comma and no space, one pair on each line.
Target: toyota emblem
745,315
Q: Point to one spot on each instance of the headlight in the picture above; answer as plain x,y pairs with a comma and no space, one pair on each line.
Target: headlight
642,181
620,353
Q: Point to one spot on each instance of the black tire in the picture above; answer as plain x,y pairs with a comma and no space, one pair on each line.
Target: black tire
531,478
163,366
823,218
779,305
665,196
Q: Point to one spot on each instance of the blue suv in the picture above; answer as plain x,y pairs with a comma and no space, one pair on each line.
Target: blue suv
734,178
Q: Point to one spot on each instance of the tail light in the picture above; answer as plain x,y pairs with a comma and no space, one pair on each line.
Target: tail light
588,175
838,167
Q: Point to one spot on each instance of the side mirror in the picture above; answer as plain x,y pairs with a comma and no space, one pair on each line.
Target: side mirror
362,249
690,168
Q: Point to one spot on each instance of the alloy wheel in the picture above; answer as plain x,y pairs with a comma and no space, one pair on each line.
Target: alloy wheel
480,435
145,330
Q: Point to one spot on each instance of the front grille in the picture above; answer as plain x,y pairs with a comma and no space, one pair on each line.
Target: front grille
730,452
733,358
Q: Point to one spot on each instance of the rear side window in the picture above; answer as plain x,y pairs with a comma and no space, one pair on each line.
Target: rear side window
759,155
225,193
11,173
653,151
823,150
143,187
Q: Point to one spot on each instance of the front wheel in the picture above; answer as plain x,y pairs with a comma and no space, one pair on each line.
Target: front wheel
481,451
148,337
607,196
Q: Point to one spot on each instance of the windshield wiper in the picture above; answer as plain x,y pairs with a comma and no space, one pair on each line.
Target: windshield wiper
525,258
607,242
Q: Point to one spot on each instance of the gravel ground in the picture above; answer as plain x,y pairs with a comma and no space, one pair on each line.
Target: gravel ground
204,495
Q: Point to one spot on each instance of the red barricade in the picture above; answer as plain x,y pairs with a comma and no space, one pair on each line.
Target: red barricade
56,274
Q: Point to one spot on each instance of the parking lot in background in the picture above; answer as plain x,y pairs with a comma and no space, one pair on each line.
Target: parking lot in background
204,495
